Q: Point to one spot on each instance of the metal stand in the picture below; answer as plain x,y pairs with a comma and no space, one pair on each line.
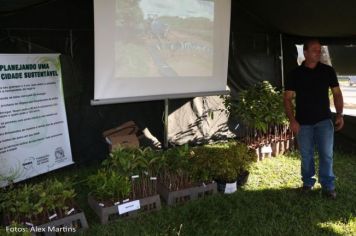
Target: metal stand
165,122
282,59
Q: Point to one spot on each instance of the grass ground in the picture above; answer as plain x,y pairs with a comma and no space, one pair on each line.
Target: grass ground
268,204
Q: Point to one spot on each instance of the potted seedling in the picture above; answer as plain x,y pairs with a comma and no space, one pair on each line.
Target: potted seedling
180,180
260,110
125,185
45,205
227,164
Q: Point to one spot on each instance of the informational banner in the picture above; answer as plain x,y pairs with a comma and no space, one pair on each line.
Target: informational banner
34,135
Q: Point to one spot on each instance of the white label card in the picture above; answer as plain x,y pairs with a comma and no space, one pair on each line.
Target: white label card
129,206
52,216
108,140
29,224
266,149
70,211
230,188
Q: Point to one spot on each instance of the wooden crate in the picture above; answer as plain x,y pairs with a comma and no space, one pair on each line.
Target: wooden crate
77,221
180,196
110,213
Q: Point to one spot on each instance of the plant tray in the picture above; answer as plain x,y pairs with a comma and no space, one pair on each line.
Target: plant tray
278,148
181,196
110,213
77,220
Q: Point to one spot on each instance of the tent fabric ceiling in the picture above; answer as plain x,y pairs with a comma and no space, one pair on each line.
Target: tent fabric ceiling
47,14
317,18
10,6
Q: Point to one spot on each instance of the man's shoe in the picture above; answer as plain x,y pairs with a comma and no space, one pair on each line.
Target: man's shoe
306,189
331,194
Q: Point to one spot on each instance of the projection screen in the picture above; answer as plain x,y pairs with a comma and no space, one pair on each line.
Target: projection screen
154,49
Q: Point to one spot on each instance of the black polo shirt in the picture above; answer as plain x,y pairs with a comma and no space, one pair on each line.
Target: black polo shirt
311,87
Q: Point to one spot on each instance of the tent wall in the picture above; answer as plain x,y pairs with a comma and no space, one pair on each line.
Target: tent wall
254,51
67,27
85,122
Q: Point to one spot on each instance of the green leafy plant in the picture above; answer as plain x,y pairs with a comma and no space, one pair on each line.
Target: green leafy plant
176,168
36,202
224,162
108,185
59,195
14,225
138,165
260,109
125,161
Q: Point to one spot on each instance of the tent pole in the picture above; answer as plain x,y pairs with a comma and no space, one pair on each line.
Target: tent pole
166,109
29,44
281,58
71,42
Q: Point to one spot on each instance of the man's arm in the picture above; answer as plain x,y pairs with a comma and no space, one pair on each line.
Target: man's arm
339,106
289,110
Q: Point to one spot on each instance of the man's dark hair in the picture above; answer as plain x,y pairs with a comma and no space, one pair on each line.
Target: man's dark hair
308,42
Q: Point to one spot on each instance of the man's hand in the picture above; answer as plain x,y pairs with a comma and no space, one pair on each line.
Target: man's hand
339,105
339,122
289,110
294,126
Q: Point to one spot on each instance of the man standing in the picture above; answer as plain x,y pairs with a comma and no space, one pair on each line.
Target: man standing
312,124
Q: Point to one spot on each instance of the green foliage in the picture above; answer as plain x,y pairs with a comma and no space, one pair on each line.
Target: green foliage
185,166
269,204
126,162
260,109
31,200
222,162
109,185
258,106
121,165
176,168
178,159
58,193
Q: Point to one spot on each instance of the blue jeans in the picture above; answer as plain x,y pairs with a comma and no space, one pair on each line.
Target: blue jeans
320,135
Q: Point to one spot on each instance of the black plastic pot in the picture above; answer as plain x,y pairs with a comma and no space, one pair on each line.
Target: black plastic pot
240,181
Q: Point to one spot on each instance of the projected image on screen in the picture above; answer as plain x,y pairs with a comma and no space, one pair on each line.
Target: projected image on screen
170,38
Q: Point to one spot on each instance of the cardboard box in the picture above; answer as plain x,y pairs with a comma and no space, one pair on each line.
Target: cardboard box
124,135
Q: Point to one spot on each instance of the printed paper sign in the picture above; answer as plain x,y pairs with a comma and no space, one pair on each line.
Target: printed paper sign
34,135
230,188
266,149
129,206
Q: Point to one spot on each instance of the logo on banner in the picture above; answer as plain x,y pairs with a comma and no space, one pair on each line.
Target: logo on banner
42,160
28,163
59,154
